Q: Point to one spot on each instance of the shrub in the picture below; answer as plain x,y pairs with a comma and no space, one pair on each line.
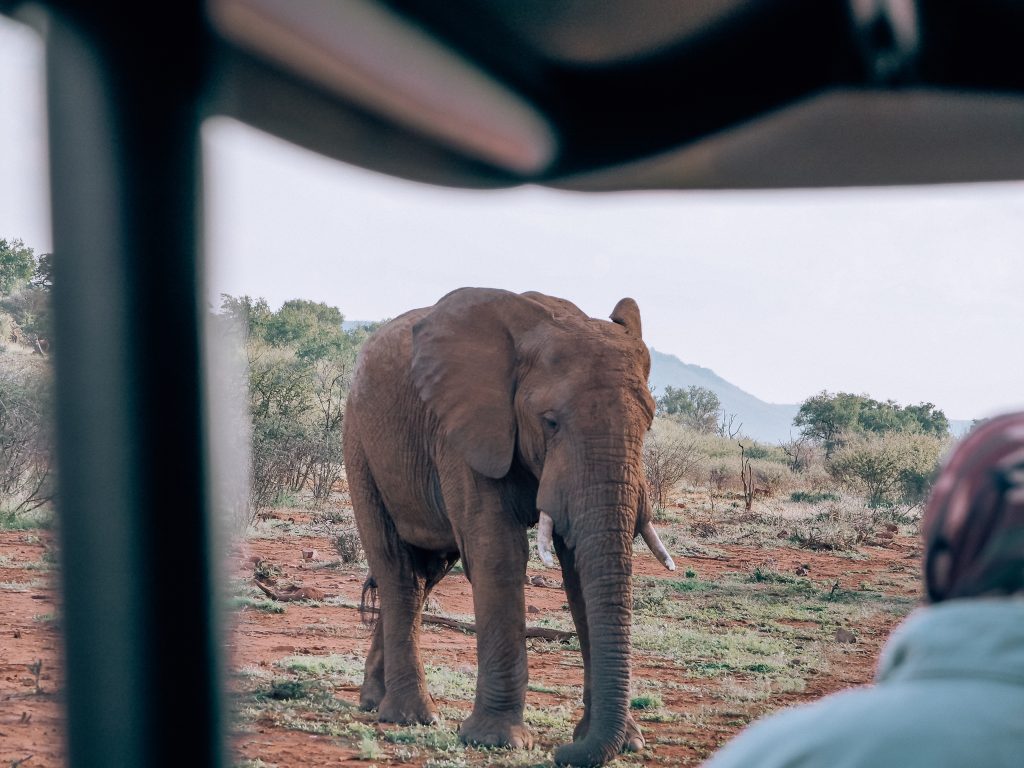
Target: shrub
671,452
838,525
888,469
26,456
771,477
812,497
349,546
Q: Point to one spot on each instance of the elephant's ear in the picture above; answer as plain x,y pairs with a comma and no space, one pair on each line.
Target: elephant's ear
627,314
463,365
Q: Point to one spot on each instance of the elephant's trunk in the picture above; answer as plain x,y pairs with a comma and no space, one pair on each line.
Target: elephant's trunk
603,561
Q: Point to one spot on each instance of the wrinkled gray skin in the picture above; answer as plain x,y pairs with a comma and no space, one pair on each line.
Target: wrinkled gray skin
464,420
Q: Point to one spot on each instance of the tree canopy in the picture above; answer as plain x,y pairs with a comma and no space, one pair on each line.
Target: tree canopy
829,418
17,264
300,362
694,406
25,282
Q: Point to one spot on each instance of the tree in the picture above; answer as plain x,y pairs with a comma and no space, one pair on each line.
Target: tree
17,265
300,363
825,418
694,406
928,419
42,279
831,419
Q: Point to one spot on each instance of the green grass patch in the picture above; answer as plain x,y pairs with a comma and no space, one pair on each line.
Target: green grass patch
448,683
429,737
651,701
347,667
37,519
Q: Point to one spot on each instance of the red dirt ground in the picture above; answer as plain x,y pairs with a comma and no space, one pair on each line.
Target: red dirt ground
30,718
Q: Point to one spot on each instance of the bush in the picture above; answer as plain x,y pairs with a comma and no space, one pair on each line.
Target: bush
812,497
771,477
839,525
671,452
300,362
26,456
349,546
893,468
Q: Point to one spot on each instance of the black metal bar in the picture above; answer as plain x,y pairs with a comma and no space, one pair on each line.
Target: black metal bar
139,619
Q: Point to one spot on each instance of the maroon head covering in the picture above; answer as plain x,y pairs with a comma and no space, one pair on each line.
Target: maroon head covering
973,525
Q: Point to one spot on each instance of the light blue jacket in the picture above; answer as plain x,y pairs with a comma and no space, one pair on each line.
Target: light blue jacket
950,692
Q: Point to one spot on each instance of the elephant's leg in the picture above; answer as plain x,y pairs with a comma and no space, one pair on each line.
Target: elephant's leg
495,556
402,594
574,594
373,689
394,682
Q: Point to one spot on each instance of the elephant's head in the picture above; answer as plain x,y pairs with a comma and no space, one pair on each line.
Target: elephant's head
531,380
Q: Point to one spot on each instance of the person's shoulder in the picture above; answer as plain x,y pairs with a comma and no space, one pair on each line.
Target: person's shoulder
828,732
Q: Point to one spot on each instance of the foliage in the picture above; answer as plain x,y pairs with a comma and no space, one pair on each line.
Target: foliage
888,469
300,363
25,282
695,407
17,264
830,418
812,497
26,456
670,453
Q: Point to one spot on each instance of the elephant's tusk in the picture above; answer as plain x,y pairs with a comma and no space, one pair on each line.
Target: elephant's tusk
545,527
654,544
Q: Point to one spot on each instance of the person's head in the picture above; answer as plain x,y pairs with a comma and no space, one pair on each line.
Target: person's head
973,524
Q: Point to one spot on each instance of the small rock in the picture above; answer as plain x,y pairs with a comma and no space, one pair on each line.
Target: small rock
532,609
467,669
845,636
802,570
783,534
309,554
891,527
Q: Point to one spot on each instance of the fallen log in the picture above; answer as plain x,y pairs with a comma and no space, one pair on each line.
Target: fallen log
543,633
292,593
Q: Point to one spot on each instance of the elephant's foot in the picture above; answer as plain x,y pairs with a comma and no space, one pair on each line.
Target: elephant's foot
634,741
495,731
371,694
409,709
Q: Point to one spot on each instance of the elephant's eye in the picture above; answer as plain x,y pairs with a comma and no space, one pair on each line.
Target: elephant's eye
550,422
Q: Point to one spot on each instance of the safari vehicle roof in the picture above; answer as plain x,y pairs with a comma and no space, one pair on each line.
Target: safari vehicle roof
580,94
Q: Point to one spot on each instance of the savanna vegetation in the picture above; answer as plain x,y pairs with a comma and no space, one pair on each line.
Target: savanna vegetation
26,455
795,559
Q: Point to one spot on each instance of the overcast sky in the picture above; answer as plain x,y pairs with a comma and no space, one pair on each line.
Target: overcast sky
912,294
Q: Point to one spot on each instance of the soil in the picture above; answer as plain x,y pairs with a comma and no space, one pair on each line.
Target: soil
30,714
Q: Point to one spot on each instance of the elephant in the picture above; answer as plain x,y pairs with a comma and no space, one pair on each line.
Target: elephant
466,424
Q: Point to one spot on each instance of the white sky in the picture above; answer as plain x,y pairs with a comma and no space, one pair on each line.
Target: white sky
912,294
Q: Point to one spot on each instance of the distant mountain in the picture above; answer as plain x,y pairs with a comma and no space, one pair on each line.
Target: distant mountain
960,427
766,422
351,325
